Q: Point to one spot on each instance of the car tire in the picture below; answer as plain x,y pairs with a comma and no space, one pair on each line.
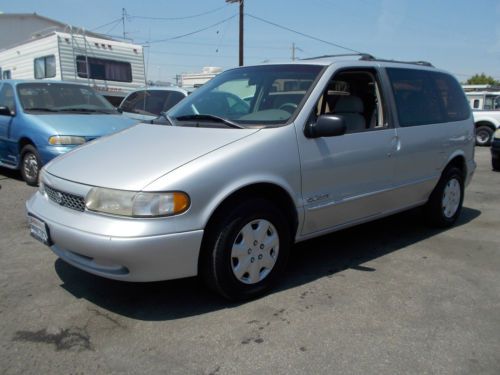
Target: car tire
30,165
484,135
246,252
445,203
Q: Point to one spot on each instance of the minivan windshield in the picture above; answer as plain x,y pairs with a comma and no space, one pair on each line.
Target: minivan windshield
49,97
266,95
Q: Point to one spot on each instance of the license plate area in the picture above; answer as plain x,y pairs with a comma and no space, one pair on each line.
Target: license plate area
39,230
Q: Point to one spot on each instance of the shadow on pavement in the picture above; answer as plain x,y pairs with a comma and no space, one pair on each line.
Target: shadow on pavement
309,261
6,173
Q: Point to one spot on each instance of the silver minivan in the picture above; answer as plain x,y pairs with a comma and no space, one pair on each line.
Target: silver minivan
259,158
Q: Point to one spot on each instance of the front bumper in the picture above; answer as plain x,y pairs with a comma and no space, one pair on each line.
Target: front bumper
128,257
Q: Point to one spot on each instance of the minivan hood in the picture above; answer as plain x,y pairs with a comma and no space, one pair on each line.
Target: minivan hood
85,125
137,156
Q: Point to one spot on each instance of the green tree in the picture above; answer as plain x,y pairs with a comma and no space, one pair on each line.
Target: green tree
482,79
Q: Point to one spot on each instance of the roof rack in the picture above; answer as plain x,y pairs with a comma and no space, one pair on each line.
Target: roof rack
371,58
363,56
368,57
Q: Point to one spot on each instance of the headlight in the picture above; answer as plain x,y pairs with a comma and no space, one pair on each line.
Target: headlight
66,140
41,185
136,204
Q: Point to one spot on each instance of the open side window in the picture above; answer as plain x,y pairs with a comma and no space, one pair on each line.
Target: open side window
356,96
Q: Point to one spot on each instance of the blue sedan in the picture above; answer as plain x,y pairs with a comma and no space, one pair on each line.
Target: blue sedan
40,120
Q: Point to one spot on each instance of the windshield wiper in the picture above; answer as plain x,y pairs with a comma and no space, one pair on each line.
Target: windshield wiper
87,110
212,118
165,121
41,109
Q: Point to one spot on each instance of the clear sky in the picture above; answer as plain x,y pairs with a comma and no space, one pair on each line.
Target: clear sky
461,36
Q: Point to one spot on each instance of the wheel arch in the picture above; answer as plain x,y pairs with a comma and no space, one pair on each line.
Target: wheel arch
487,123
457,160
267,190
24,141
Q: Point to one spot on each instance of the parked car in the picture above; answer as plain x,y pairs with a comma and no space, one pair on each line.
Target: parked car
147,104
41,120
226,189
495,151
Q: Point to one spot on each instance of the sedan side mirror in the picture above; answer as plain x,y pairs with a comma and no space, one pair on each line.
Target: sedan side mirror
326,126
5,111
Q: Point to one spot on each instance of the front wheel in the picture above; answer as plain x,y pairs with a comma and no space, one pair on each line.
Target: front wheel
484,135
246,252
445,203
30,165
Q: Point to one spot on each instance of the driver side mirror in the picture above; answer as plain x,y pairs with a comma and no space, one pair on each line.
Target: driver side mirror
5,111
326,126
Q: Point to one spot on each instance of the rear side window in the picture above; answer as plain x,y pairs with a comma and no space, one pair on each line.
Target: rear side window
425,97
151,102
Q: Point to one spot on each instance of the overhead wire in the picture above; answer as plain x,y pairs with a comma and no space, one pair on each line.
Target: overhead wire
301,33
107,24
192,32
179,18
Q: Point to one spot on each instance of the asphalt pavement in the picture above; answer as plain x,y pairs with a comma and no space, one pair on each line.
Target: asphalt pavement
387,297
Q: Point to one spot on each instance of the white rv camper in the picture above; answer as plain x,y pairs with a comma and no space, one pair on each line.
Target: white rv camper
111,67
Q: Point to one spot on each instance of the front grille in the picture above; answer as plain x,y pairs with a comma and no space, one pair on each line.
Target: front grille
75,202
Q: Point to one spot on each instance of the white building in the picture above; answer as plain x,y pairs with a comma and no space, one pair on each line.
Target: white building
199,79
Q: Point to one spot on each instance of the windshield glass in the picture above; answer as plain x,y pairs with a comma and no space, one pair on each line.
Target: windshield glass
59,97
261,95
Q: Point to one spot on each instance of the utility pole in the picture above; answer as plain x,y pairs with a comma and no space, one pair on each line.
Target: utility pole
124,14
295,48
241,28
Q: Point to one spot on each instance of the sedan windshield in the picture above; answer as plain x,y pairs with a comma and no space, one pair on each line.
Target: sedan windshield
58,97
267,95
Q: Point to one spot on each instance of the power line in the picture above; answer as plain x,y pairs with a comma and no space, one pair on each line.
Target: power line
178,18
302,34
192,32
106,24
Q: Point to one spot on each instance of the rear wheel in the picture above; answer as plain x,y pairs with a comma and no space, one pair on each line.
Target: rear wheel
30,165
484,135
246,252
445,203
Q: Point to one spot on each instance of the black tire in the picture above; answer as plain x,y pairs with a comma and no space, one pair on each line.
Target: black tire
30,165
437,213
484,135
216,267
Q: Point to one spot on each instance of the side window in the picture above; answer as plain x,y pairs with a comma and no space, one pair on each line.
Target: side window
7,97
476,104
356,96
134,100
45,67
172,99
6,74
426,97
104,69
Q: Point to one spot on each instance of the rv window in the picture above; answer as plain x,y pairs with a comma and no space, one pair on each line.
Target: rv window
45,67
6,74
106,70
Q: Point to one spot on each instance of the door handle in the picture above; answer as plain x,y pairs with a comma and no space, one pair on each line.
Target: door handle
395,146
